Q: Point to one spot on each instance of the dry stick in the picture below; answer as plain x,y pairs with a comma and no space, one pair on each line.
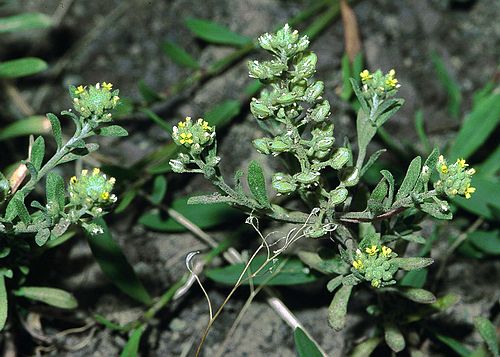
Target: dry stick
234,257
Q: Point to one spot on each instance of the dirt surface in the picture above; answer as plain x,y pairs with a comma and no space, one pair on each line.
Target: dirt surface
120,42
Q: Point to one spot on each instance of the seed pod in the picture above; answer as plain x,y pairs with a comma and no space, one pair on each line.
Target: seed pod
260,110
314,91
337,196
340,158
349,176
279,145
320,112
306,178
325,143
306,66
262,145
283,183
287,98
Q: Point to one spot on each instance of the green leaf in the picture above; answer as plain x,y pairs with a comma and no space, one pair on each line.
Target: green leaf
179,55
484,202
421,296
38,152
221,114
394,338
115,265
4,303
32,125
22,67
434,209
281,271
204,216
412,263
21,210
324,265
50,296
366,348
131,349
375,202
334,283
159,189
304,346
215,33
159,121
257,183
126,200
455,345
491,165
390,195
112,130
107,323
415,278
42,236
55,190
26,21
451,86
211,199
476,129
56,129
338,308
411,178
486,241
420,129
488,332
346,76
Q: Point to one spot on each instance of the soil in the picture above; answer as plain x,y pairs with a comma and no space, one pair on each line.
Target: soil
120,42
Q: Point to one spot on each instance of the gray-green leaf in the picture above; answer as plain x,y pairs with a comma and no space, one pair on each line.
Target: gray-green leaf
50,296
112,130
257,183
410,179
394,338
412,263
56,129
216,33
4,304
338,308
488,332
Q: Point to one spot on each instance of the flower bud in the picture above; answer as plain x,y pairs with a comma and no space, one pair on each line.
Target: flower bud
262,145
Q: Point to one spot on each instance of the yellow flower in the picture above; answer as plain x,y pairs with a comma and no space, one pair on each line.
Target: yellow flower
386,251
72,180
357,264
392,73
376,283
471,171
391,82
365,75
461,163
105,195
468,191
372,250
107,86
444,169
85,172
80,89
186,138
204,124
95,171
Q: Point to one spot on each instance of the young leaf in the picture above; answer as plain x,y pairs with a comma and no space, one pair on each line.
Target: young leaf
366,348
338,308
488,332
257,183
304,346
421,296
179,55
477,127
159,189
204,216
410,179
390,195
21,210
282,271
131,349
22,67
112,130
334,283
55,124
54,189
394,338
436,211
50,296
114,264
38,152
412,263
32,125
4,304
26,21
215,33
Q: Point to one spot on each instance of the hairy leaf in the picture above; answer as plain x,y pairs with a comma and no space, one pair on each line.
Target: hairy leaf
4,303
338,308
55,124
488,332
412,263
55,190
50,296
421,296
257,183
112,130
410,179
394,338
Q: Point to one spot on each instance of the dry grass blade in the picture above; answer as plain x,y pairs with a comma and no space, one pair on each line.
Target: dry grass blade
351,31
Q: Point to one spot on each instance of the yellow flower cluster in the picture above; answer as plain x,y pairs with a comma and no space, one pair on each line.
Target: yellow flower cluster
455,179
